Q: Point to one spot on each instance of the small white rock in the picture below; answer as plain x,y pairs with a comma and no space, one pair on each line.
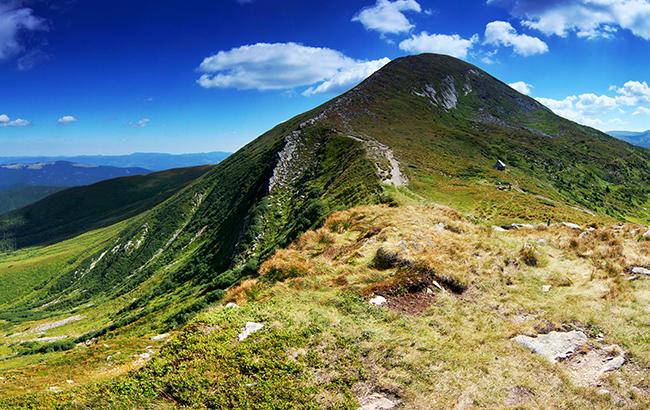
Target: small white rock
144,356
69,381
231,305
249,329
571,225
54,389
377,401
546,288
160,337
377,300
640,271
647,233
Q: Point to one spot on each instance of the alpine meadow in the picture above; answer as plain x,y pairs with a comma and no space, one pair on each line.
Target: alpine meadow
437,233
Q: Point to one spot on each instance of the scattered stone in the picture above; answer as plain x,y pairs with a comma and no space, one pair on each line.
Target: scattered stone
160,337
647,234
69,381
637,270
436,284
517,226
377,300
546,288
231,305
249,329
144,356
587,369
498,229
582,235
51,325
91,342
500,166
571,225
603,392
554,346
54,389
377,401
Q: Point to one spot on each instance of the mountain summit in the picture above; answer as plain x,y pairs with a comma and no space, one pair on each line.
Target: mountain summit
423,128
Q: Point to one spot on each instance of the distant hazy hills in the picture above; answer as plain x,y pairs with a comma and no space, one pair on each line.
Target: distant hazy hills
60,174
641,139
150,161
25,180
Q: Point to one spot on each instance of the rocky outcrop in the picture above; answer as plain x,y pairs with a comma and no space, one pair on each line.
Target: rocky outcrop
554,346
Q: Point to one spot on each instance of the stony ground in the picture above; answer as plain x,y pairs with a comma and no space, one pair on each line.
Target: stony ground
414,307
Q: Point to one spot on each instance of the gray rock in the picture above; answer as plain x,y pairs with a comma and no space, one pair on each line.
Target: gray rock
571,225
377,300
647,234
249,329
160,336
377,401
554,346
637,270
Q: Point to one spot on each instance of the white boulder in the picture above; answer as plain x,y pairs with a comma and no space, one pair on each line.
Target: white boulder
554,346
249,329
377,300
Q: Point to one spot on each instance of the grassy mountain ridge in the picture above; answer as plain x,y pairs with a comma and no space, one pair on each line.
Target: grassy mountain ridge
423,129
77,210
21,196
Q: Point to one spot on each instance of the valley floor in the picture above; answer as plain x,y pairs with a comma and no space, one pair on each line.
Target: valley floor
448,299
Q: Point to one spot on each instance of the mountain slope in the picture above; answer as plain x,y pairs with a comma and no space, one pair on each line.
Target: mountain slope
77,210
423,129
431,121
60,174
641,139
149,160
18,197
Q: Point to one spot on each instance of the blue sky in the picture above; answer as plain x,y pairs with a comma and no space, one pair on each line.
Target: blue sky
98,77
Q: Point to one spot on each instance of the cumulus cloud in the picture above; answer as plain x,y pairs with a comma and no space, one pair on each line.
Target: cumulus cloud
6,121
587,18
387,17
642,110
453,45
501,33
141,123
522,87
284,66
347,76
66,119
15,20
593,109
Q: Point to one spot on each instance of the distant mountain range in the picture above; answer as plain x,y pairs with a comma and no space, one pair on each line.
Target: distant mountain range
148,160
641,139
60,174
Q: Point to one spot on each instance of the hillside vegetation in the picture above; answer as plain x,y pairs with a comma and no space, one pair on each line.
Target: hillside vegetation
423,131
456,294
78,210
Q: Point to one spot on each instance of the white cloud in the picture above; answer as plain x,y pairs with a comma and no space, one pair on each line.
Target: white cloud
501,33
6,121
284,66
346,77
387,17
141,123
522,87
453,45
13,21
66,119
642,110
599,110
587,18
